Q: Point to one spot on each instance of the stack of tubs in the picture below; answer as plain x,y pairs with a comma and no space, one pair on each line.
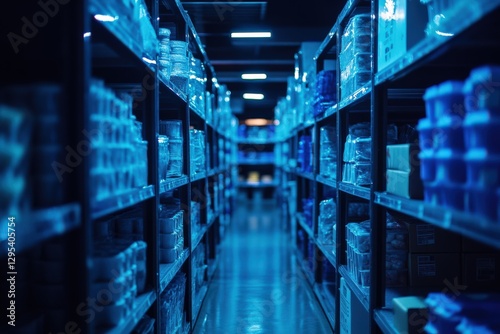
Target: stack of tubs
164,55
173,130
460,159
328,152
179,57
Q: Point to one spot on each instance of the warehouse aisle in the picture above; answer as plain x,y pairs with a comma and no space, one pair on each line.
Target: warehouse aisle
258,287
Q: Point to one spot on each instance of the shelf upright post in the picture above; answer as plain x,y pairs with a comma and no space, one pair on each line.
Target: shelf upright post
377,213
341,218
151,128
76,83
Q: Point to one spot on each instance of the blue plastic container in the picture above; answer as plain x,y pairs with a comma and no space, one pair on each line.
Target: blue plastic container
449,133
450,166
483,168
449,100
432,193
427,165
430,98
482,201
482,130
453,195
482,89
425,133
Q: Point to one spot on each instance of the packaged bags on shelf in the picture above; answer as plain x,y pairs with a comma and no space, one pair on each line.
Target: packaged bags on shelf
326,221
172,300
355,56
328,152
325,93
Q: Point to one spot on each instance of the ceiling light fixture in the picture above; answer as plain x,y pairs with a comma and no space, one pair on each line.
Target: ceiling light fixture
254,76
253,96
256,122
261,34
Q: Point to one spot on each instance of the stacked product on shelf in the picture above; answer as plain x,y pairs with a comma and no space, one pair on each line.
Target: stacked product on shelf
122,265
197,85
164,63
223,117
209,108
403,171
129,225
199,268
481,132
327,221
462,313
172,300
173,131
134,26
163,157
195,217
359,247
171,228
119,153
198,153
355,58
179,58
328,152
307,111
460,164
357,153
325,93
34,156
305,154
307,209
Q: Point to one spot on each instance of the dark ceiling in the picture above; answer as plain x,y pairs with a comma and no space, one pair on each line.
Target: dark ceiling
290,22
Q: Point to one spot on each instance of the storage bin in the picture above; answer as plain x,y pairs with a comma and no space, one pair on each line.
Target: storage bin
430,97
361,239
362,260
482,130
432,193
450,166
449,100
365,278
449,133
482,90
483,169
427,165
425,129
453,195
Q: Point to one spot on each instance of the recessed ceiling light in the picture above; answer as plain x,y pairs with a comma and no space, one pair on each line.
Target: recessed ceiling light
255,34
254,76
256,122
253,96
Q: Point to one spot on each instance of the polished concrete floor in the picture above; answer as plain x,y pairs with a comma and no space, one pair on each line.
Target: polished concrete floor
258,287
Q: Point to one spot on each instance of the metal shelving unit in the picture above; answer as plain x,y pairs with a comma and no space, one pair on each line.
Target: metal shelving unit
99,47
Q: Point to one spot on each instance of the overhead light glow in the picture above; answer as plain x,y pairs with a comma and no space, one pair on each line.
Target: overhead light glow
105,18
87,34
256,122
149,61
254,76
262,34
445,34
253,96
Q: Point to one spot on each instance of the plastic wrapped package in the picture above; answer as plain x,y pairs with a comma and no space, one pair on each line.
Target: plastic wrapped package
328,208
482,90
359,62
358,25
353,83
325,93
171,128
164,156
328,134
357,173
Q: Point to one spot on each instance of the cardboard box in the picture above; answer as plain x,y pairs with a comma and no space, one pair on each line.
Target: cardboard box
481,271
354,317
403,157
434,269
401,25
427,238
472,246
404,184
410,314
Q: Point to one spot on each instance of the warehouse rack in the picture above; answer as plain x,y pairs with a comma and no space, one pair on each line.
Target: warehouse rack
74,46
393,94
